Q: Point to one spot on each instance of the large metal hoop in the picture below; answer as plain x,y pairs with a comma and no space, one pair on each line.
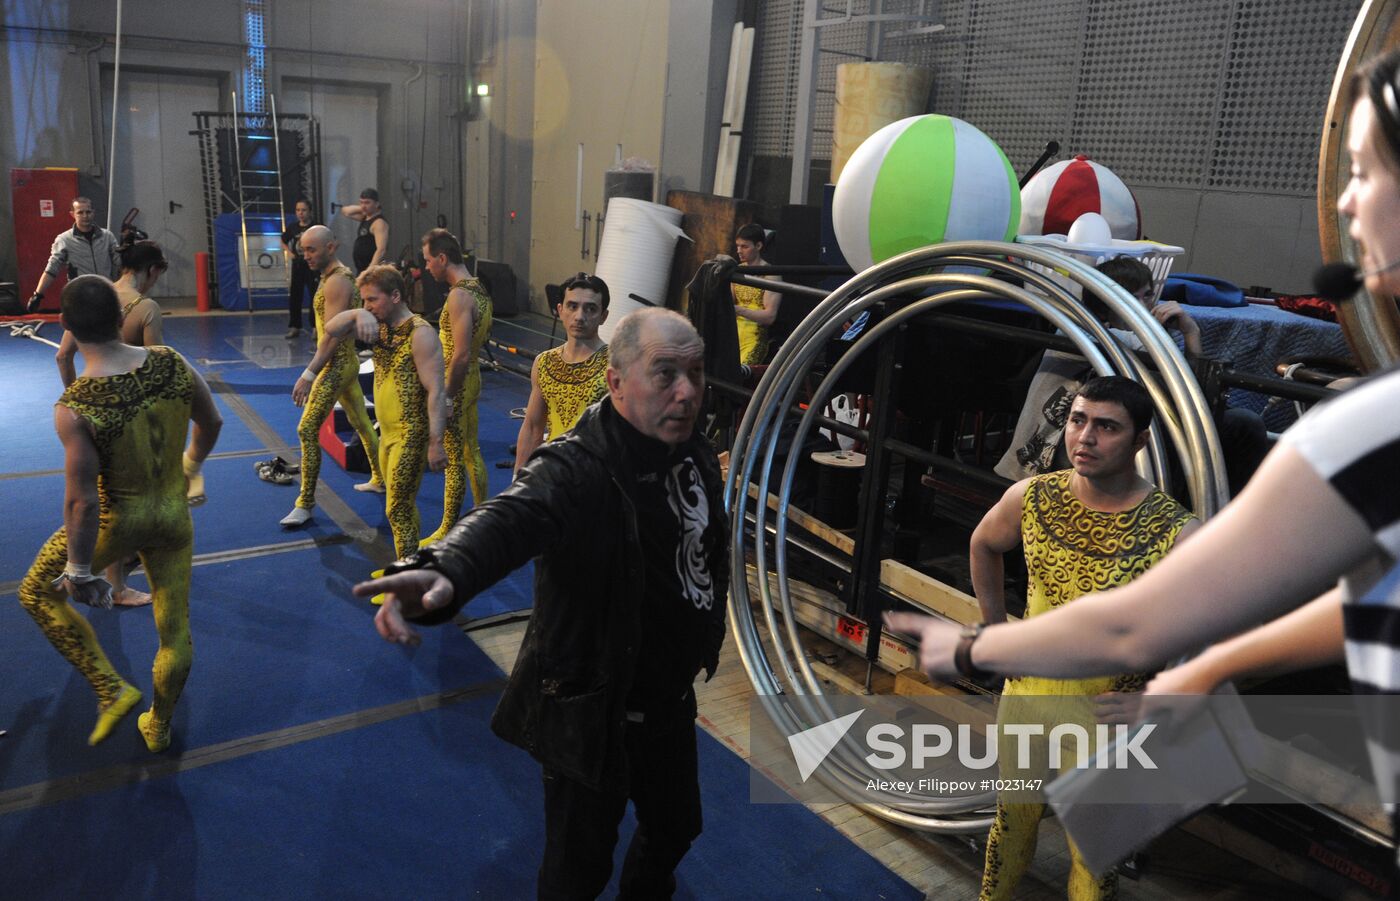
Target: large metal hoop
1371,324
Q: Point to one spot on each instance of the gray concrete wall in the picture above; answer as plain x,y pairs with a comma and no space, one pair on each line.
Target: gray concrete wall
1268,240
53,54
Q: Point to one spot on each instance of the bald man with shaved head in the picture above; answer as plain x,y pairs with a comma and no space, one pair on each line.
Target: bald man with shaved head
337,380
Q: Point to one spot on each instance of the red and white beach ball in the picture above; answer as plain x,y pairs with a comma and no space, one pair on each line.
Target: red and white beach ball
1062,192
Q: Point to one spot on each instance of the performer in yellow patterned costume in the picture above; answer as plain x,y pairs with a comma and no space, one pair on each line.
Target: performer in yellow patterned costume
336,380
463,327
1085,529
123,423
566,380
408,392
143,263
755,310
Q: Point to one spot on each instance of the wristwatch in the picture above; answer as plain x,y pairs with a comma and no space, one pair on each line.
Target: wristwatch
962,656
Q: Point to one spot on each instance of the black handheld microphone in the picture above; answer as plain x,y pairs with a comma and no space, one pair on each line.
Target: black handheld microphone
1339,281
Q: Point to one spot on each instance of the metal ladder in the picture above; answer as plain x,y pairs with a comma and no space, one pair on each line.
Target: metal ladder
252,198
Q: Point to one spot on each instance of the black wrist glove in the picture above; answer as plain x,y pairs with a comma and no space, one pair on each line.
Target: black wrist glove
34,300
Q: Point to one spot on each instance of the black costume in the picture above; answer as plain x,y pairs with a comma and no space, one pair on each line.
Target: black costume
365,245
629,606
304,281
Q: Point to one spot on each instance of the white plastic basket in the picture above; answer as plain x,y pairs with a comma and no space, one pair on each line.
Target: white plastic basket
1157,257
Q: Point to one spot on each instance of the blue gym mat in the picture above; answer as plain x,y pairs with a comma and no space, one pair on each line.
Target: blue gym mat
426,805
429,805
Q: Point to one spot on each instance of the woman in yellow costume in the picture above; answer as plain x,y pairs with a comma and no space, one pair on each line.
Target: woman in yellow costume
755,309
123,424
463,327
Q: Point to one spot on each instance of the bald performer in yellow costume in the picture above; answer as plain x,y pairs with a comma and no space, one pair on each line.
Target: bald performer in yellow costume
463,327
335,380
123,424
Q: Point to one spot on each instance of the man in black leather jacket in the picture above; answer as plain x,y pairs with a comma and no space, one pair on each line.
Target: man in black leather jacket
626,513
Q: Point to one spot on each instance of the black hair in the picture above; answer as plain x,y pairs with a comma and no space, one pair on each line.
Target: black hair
369,194
440,240
753,233
587,282
1117,389
1130,273
91,310
140,256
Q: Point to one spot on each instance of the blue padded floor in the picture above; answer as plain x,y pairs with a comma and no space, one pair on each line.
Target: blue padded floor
425,805
430,805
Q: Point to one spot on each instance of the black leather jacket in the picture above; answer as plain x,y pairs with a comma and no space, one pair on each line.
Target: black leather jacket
565,701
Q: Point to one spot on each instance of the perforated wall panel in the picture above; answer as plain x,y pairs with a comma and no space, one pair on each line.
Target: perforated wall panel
773,87
1147,95
1223,95
1279,67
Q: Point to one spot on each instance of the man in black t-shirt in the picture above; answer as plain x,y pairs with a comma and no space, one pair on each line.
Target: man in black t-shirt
303,283
372,238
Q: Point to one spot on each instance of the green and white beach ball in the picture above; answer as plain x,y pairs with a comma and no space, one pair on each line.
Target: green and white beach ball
919,181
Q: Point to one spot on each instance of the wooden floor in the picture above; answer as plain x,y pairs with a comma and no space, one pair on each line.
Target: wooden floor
950,867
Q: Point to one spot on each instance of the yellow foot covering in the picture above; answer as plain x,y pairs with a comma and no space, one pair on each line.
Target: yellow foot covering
107,719
378,599
431,539
156,734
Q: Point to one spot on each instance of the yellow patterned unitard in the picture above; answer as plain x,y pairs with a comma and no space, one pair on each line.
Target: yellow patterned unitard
138,422
570,388
1071,551
401,405
338,380
459,439
753,338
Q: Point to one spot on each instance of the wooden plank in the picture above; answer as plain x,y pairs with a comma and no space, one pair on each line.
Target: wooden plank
839,540
927,592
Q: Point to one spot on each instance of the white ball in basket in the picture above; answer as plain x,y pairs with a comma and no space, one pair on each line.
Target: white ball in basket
1090,228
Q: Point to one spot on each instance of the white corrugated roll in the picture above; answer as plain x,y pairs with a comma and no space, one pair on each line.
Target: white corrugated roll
639,240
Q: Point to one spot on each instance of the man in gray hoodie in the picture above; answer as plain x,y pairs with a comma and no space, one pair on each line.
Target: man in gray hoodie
85,249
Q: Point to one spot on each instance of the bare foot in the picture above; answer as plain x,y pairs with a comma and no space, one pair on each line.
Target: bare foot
130,597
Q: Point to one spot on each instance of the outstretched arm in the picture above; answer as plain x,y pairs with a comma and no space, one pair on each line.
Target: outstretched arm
536,418
337,329
1309,636
1226,580
427,359
997,533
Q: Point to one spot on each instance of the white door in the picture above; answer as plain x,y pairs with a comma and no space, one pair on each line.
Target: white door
349,117
157,165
